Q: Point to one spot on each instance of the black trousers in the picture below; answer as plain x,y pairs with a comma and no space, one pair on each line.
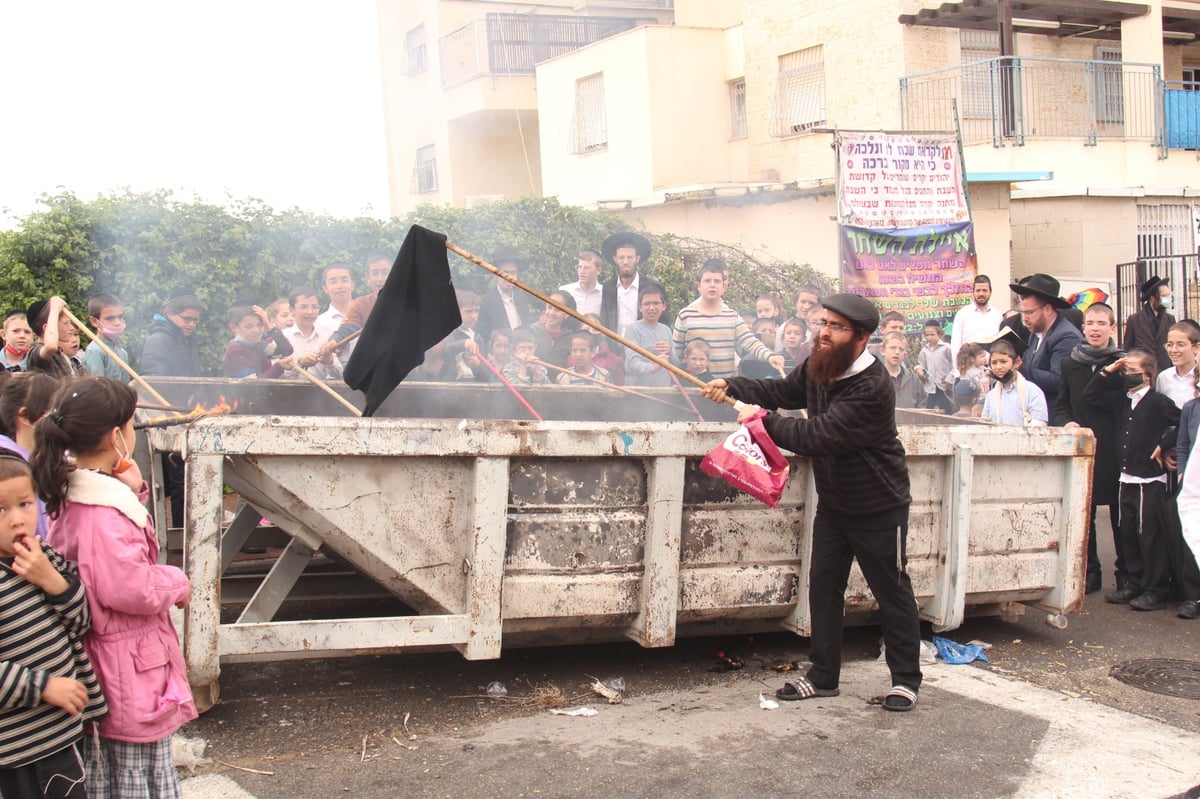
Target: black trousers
56,776
1181,563
837,541
1142,541
1093,556
939,399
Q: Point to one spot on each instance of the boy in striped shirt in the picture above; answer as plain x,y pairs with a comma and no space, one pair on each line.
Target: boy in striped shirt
47,686
709,319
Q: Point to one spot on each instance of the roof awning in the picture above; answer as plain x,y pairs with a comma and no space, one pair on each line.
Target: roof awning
1092,19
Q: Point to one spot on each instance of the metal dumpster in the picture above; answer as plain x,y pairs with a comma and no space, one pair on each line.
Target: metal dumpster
496,531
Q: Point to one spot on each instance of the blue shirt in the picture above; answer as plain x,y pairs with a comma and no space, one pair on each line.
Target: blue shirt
1010,410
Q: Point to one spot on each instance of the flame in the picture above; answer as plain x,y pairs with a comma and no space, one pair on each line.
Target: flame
198,411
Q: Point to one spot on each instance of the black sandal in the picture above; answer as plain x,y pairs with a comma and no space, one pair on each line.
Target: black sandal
803,688
900,699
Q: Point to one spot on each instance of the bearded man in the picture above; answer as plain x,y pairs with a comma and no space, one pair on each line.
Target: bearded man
863,496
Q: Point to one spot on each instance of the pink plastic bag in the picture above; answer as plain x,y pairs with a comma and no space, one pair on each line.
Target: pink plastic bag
749,461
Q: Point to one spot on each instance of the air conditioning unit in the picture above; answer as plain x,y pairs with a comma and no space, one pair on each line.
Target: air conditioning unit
480,200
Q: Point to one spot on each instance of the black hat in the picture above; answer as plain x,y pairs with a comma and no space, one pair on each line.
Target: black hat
1039,285
858,310
625,238
33,312
1150,287
1012,331
508,255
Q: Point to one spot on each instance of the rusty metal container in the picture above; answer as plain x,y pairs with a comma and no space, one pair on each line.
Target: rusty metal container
596,523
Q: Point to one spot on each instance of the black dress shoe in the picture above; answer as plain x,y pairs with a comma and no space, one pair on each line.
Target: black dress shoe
1188,610
1094,583
1122,596
1148,601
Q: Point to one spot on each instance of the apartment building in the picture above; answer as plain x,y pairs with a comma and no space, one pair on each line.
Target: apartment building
715,118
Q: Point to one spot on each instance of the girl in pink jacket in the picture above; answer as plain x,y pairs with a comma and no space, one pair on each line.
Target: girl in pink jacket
98,519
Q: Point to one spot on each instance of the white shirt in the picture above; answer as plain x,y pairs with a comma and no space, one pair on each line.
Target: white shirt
972,324
1180,389
332,319
305,345
510,310
585,302
627,302
860,363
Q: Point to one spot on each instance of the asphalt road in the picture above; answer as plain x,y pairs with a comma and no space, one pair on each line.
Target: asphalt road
1044,719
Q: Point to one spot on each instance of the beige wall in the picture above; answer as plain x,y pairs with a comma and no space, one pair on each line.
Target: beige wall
667,111
1073,236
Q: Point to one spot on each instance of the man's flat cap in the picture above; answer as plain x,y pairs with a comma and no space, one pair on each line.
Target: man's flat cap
858,310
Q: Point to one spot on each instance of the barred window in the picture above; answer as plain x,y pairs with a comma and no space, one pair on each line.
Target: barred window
1110,97
414,44
980,75
589,124
800,94
737,108
424,176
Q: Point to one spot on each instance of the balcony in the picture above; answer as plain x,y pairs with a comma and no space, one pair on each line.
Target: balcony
1009,99
514,44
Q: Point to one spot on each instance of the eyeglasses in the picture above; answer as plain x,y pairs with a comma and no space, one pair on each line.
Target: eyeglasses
190,320
836,327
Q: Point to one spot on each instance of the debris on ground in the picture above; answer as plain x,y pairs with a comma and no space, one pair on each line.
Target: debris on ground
600,689
496,689
579,711
188,752
728,663
767,704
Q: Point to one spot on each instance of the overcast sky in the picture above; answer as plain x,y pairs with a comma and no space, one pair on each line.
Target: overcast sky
274,99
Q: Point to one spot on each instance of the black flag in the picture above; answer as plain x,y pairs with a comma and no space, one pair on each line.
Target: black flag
416,309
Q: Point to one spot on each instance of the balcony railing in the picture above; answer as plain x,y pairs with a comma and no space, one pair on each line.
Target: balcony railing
514,44
1011,98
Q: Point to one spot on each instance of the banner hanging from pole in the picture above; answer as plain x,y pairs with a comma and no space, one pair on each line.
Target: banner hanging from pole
925,272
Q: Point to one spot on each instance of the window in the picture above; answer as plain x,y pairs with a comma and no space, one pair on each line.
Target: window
980,75
1164,230
589,125
1110,99
737,108
414,45
800,94
424,176
1191,78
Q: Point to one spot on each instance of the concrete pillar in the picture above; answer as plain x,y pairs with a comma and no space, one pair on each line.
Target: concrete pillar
1141,37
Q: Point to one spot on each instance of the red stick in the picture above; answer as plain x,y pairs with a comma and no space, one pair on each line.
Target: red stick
510,387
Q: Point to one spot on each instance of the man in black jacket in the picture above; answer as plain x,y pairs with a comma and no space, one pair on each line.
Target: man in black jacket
619,303
1147,328
504,307
862,485
1097,352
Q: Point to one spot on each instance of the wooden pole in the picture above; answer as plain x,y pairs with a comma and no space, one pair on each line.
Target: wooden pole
117,358
645,353
686,398
316,381
606,384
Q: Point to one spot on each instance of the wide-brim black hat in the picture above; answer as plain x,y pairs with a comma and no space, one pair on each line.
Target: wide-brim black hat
626,238
1012,331
1150,287
856,309
1039,285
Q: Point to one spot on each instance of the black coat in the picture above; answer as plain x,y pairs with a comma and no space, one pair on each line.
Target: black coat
1070,407
1137,431
492,315
1044,367
1146,330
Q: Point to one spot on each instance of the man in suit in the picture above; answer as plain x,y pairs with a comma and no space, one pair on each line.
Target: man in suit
504,307
1053,337
1147,328
619,306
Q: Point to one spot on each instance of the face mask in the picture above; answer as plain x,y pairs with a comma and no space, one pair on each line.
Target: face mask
15,352
1133,381
1167,303
112,333
124,464
1006,378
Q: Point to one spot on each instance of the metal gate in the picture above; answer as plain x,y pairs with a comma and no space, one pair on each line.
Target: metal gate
1185,285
